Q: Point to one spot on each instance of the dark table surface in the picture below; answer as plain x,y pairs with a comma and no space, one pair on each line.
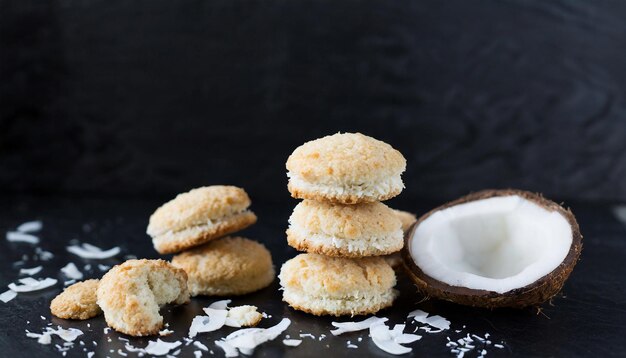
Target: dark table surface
586,319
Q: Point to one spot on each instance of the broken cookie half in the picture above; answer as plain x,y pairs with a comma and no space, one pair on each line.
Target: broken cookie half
131,294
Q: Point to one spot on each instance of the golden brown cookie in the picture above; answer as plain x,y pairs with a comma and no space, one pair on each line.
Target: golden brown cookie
323,285
77,301
131,294
407,219
198,216
347,168
227,266
367,229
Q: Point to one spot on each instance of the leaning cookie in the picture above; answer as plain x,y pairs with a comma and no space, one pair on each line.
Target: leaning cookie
198,216
368,229
323,285
77,301
131,294
227,266
346,168
407,219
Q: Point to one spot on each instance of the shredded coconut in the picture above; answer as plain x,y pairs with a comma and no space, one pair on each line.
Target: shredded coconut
88,251
31,271
71,271
29,284
15,236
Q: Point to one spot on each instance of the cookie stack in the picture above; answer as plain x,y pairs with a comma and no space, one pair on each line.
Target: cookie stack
342,225
196,222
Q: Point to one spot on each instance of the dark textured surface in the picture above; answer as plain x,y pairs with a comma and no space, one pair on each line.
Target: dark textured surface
143,97
586,320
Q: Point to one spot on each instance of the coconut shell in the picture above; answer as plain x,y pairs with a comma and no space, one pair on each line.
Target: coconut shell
531,295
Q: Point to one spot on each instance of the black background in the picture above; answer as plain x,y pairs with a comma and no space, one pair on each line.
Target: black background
109,108
151,98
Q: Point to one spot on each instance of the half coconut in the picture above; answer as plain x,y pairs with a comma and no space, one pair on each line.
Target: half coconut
494,248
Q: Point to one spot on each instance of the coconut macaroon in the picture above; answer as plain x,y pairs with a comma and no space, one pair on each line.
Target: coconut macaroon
407,219
323,285
130,295
346,168
368,229
77,301
228,266
198,216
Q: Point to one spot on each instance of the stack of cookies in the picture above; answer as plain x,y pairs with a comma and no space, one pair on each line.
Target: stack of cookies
195,225
342,225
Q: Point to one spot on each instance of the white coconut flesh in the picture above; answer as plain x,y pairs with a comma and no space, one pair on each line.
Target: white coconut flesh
496,244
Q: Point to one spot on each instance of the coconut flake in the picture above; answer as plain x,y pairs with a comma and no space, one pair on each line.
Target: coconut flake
247,339
43,255
30,284
343,327
31,271
220,305
88,251
44,338
201,346
160,348
71,271
292,342
438,322
8,296
197,354
129,347
68,335
229,350
214,320
30,226
16,236
165,332
390,340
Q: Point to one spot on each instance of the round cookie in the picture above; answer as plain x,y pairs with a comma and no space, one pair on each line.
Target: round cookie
407,219
77,301
228,266
323,285
130,295
346,168
198,216
367,229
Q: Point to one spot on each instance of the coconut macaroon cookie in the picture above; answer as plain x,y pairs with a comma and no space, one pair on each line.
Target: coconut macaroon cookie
130,295
368,229
227,266
346,168
407,219
77,301
323,285
198,216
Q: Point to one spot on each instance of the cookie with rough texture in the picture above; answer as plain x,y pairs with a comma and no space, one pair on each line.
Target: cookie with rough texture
323,285
198,216
228,266
130,295
77,301
346,168
407,219
367,229
243,316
